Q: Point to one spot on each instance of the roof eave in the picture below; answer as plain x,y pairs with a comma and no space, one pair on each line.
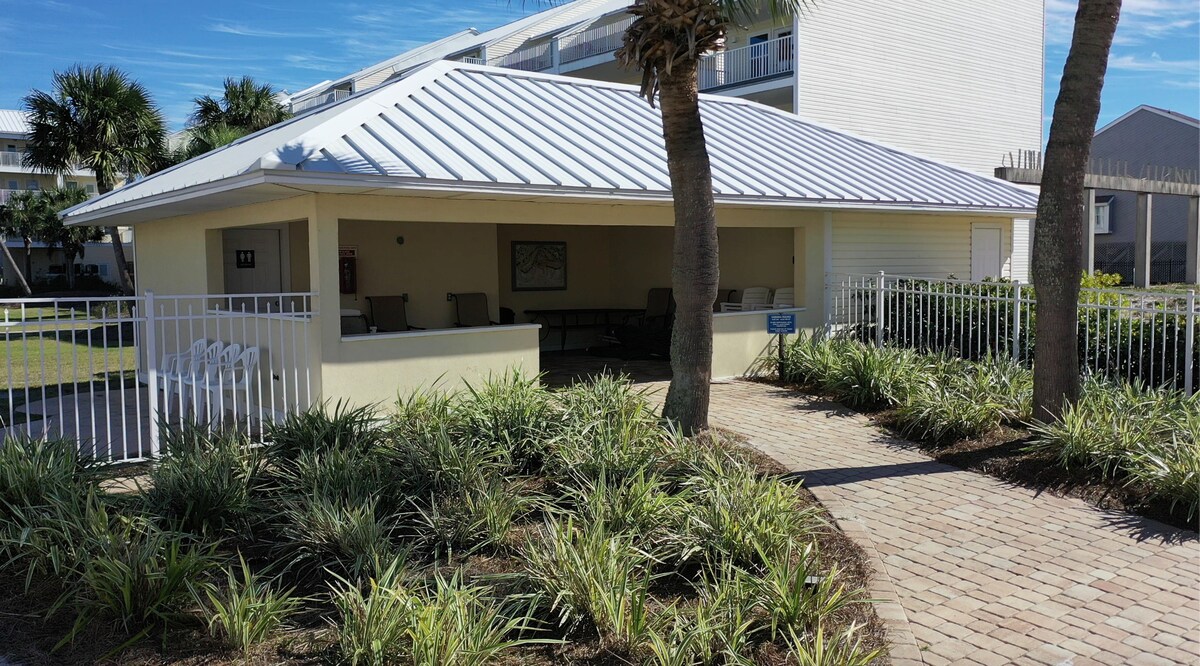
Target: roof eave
301,180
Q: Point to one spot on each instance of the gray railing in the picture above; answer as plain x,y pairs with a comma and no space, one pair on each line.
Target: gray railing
593,41
530,59
756,62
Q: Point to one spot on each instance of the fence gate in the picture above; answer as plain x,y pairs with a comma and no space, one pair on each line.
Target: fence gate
111,372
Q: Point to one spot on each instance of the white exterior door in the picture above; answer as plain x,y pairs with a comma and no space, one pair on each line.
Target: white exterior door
252,261
987,251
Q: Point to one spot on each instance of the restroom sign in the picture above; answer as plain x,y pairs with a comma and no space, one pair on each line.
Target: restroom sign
245,258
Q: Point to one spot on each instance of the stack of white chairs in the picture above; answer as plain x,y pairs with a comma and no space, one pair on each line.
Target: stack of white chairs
201,378
752,297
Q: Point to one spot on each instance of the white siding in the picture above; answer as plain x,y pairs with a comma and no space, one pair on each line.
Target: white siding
957,81
920,246
564,17
1022,246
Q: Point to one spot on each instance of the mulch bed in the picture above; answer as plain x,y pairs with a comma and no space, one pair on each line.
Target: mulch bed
27,638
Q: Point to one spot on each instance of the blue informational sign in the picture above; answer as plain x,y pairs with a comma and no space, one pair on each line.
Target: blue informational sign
783,323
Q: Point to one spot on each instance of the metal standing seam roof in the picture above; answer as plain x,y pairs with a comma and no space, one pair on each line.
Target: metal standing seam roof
472,128
13,122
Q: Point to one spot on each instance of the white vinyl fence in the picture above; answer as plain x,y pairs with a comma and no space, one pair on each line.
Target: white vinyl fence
110,373
1131,335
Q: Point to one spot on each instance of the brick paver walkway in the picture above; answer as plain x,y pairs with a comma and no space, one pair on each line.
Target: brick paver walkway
984,572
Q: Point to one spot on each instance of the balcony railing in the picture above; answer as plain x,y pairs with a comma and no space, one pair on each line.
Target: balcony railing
530,59
594,41
320,100
11,158
472,60
756,62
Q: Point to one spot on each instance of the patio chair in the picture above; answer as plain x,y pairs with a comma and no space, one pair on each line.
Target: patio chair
751,297
723,296
205,374
355,325
471,309
784,297
177,368
660,308
389,314
235,380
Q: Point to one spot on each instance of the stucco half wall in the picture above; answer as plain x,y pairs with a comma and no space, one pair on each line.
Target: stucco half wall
376,369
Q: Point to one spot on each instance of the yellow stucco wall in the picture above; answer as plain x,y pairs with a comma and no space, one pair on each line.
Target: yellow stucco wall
376,369
435,259
176,256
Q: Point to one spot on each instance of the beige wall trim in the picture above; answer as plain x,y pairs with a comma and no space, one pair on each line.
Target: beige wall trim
747,313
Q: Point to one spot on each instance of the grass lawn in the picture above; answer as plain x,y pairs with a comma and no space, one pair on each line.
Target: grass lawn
47,366
510,525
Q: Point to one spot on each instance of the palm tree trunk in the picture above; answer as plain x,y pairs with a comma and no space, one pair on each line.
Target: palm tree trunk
28,257
1060,225
695,269
114,236
16,269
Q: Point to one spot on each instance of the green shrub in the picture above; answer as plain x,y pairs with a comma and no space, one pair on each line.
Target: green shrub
793,602
205,484
512,413
638,505
594,577
735,516
32,472
350,476
608,430
475,518
809,360
445,622
343,538
247,610
438,462
1127,431
819,648
946,413
321,428
866,377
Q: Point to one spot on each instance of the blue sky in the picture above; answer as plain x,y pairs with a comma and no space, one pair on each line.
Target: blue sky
182,50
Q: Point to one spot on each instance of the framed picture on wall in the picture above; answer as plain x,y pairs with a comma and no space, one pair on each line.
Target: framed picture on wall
539,265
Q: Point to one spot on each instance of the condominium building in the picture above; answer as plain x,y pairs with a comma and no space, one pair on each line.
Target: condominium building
958,82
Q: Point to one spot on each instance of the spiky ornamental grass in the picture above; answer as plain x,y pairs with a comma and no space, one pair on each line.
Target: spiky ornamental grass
247,609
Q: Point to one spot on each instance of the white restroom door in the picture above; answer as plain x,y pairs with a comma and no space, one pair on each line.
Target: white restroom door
266,274
987,251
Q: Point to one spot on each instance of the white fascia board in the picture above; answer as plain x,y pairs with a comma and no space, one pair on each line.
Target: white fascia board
301,180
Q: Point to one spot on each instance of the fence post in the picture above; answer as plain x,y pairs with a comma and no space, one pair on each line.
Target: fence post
879,311
1016,343
152,371
1189,343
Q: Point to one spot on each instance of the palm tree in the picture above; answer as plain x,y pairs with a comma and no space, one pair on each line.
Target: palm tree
18,219
245,107
666,41
245,104
102,120
1060,226
71,240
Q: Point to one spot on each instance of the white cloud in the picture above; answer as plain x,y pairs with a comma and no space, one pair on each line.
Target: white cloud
1154,63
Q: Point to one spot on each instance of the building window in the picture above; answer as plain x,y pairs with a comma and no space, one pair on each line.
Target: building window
72,185
12,185
1100,224
12,148
32,185
91,189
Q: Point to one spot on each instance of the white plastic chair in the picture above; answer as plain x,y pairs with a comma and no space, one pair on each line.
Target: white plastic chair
785,297
751,297
175,367
234,379
205,374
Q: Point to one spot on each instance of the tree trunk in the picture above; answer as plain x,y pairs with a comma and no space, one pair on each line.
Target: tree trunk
694,270
16,269
28,257
1059,228
114,236
69,258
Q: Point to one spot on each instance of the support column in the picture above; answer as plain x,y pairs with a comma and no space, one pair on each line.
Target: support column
1089,231
1141,241
1193,241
